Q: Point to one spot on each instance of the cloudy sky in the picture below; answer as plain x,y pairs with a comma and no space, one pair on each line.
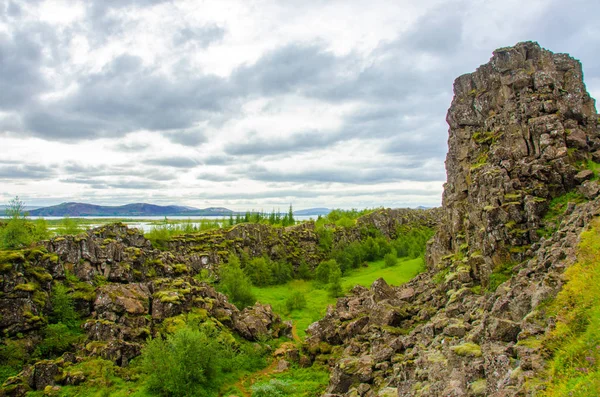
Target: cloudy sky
251,104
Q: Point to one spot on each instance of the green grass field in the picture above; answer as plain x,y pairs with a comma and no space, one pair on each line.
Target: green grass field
317,298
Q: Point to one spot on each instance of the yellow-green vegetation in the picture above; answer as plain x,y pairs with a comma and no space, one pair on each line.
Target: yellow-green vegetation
574,368
317,296
297,382
467,350
500,274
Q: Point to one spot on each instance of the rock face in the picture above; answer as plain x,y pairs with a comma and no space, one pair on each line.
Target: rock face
522,130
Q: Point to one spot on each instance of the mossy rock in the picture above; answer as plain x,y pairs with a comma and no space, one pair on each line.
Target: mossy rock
467,350
28,287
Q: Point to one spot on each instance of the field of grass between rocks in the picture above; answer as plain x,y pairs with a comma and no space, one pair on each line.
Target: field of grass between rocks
317,296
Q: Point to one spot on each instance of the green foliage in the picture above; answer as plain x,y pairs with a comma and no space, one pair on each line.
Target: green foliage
195,360
412,243
58,339
235,283
317,298
391,259
304,272
68,226
324,271
335,282
17,231
296,301
272,388
559,204
500,275
184,364
296,382
259,271
263,271
63,308
574,369
12,358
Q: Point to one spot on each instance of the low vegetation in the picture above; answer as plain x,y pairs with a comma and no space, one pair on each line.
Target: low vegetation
574,344
317,296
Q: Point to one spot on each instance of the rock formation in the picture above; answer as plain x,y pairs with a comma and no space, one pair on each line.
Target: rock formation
522,132
127,291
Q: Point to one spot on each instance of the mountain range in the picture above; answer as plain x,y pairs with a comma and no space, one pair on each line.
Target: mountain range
143,209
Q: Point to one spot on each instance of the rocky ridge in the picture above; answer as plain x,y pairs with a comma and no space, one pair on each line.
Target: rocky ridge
127,291
523,131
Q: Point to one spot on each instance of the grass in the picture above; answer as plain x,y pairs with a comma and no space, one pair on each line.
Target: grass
574,369
297,382
317,298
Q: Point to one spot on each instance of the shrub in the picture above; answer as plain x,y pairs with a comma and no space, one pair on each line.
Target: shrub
304,271
281,272
184,364
235,283
391,259
335,282
63,308
296,301
58,338
324,270
259,271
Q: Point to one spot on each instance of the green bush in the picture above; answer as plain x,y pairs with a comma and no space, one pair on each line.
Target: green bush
296,301
323,271
391,259
259,271
235,283
304,271
335,282
12,359
184,364
63,308
58,339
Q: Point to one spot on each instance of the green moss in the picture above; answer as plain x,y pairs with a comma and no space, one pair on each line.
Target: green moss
500,275
467,350
478,387
28,287
12,257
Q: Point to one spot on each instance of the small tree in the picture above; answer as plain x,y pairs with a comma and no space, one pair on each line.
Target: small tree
296,301
16,233
291,219
335,280
235,283
391,259
304,271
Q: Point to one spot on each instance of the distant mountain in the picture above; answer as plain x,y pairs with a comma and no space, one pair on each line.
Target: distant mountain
137,209
313,211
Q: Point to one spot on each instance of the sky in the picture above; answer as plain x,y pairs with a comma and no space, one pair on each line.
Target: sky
251,104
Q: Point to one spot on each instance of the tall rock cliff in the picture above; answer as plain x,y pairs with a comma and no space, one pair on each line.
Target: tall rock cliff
521,129
522,185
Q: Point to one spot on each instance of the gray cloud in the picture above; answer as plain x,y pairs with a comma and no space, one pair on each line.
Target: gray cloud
176,162
187,138
201,37
348,175
26,171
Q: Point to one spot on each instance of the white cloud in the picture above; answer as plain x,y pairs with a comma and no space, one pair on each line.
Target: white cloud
250,104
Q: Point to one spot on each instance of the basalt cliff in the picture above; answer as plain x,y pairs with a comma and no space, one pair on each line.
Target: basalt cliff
523,134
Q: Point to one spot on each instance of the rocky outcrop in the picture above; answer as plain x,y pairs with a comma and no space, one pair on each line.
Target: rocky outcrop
522,130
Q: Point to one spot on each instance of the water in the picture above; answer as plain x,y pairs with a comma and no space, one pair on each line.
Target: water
145,223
